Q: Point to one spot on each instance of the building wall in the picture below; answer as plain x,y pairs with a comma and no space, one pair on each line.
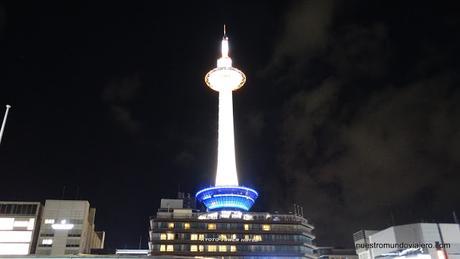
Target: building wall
19,223
421,233
385,236
78,257
362,237
221,234
77,239
450,233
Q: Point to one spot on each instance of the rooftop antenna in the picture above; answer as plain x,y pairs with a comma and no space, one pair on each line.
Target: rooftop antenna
63,192
392,218
225,32
78,193
4,122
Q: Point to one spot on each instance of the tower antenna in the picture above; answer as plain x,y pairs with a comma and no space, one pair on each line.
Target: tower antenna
4,122
225,31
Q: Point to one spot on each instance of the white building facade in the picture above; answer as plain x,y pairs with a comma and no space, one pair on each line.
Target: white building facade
18,227
67,228
420,240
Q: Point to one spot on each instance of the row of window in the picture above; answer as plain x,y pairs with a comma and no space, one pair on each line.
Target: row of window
48,242
48,251
18,209
67,245
201,237
232,226
70,234
231,237
232,248
201,248
214,226
68,221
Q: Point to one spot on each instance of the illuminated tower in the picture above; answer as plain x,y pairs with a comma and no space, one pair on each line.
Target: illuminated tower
226,194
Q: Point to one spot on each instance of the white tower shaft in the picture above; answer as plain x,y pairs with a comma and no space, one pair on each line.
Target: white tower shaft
226,174
225,79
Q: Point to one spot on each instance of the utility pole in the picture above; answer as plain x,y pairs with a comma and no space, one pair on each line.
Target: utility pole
4,122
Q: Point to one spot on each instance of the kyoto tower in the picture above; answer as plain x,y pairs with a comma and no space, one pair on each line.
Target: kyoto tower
226,194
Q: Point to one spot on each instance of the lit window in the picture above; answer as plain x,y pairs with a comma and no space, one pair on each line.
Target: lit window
193,237
14,237
212,226
170,236
6,223
232,248
170,225
162,236
212,248
248,217
201,248
169,248
162,248
246,237
193,248
21,223
186,225
246,226
201,237
47,241
266,227
222,248
257,238
49,221
223,237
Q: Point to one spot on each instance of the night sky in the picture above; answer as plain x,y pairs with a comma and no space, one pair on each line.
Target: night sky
351,108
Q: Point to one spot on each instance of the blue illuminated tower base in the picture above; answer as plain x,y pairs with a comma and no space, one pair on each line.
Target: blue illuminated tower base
227,198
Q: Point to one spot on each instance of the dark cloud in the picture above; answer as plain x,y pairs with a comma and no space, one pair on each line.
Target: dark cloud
120,95
359,51
306,28
185,159
401,143
255,122
370,135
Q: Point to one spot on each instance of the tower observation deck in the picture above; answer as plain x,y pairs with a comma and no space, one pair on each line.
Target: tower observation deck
227,194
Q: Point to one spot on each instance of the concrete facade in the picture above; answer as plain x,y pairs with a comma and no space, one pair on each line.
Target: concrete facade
19,224
230,234
67,228
412,240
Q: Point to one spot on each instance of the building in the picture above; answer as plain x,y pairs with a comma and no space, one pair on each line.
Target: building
234,234
19,223
335,253
226,228
113,256
423,240
361,239
67,228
